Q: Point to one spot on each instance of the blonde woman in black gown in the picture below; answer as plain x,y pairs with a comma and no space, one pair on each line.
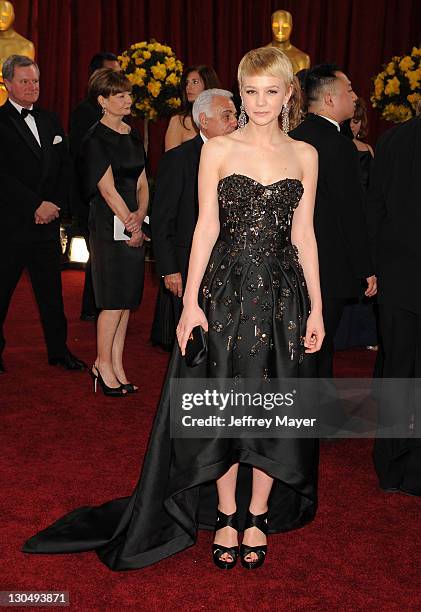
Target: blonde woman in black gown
253,283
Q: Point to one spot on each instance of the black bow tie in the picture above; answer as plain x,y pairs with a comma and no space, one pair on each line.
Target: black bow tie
27,111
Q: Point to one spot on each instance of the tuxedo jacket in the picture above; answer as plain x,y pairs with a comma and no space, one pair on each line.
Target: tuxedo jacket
339,221
30,174
175,207
82,118
394,215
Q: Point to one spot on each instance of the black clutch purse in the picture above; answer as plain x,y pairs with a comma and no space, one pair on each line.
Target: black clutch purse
197,347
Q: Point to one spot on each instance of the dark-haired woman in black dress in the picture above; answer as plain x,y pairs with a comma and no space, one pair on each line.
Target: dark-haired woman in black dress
112,166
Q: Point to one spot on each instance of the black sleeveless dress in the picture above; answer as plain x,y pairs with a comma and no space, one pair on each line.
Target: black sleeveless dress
117,269
256,302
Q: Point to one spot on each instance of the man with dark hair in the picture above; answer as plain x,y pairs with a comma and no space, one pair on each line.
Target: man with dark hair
339,222
105,59
34,175
82,118
394,216
87,112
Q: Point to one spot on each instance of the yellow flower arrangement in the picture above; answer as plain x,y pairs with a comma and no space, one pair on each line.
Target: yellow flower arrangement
154,87
397,113
414,77
159,71
155,73
392,87
397,88
413,98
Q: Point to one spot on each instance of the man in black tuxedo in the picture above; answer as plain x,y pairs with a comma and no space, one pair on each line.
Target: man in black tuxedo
34,175
82,118
394,216
339,222
86,113
175,208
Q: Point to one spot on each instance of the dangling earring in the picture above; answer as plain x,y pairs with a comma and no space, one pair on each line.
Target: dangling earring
103,110
242,119
285,118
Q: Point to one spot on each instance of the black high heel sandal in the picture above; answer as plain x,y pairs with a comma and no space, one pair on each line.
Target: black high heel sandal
261,522
110,391
225,520
129,387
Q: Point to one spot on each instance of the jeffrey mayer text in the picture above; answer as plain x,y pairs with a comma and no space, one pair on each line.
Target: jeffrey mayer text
246,421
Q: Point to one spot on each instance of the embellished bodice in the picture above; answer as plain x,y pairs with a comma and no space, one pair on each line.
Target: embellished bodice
255,217
254,293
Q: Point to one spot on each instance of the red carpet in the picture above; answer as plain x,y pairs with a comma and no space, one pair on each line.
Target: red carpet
63,447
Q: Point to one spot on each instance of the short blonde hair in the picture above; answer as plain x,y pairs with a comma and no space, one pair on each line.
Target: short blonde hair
272,61
266,60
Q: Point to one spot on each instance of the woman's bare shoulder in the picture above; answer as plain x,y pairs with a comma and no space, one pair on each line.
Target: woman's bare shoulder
304,150
220,143
177,120
217,150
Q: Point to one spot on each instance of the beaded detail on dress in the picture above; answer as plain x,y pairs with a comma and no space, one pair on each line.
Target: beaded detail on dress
256,216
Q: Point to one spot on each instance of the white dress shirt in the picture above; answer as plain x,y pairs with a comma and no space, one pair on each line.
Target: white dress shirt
29,120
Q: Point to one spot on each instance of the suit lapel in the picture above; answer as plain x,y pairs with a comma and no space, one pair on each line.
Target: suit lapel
46,144
198,142
24,131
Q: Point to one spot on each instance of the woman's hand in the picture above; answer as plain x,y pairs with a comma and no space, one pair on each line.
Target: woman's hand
371,286
315,332
190,317
133,222
137,239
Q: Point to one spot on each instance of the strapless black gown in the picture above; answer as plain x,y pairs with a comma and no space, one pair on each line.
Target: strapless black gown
256,302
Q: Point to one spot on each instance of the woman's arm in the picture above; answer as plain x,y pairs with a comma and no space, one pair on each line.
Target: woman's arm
303,237
142,196
137,217
174,133
204,238
111,196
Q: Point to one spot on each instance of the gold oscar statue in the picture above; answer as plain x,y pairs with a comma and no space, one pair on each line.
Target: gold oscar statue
281,29
11,43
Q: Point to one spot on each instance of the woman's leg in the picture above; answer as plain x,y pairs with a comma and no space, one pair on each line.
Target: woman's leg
118,347
262,485
108,323
227,536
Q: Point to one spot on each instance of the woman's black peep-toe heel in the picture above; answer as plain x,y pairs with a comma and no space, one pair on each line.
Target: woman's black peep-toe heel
261,522
129,387
110,391
225,520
